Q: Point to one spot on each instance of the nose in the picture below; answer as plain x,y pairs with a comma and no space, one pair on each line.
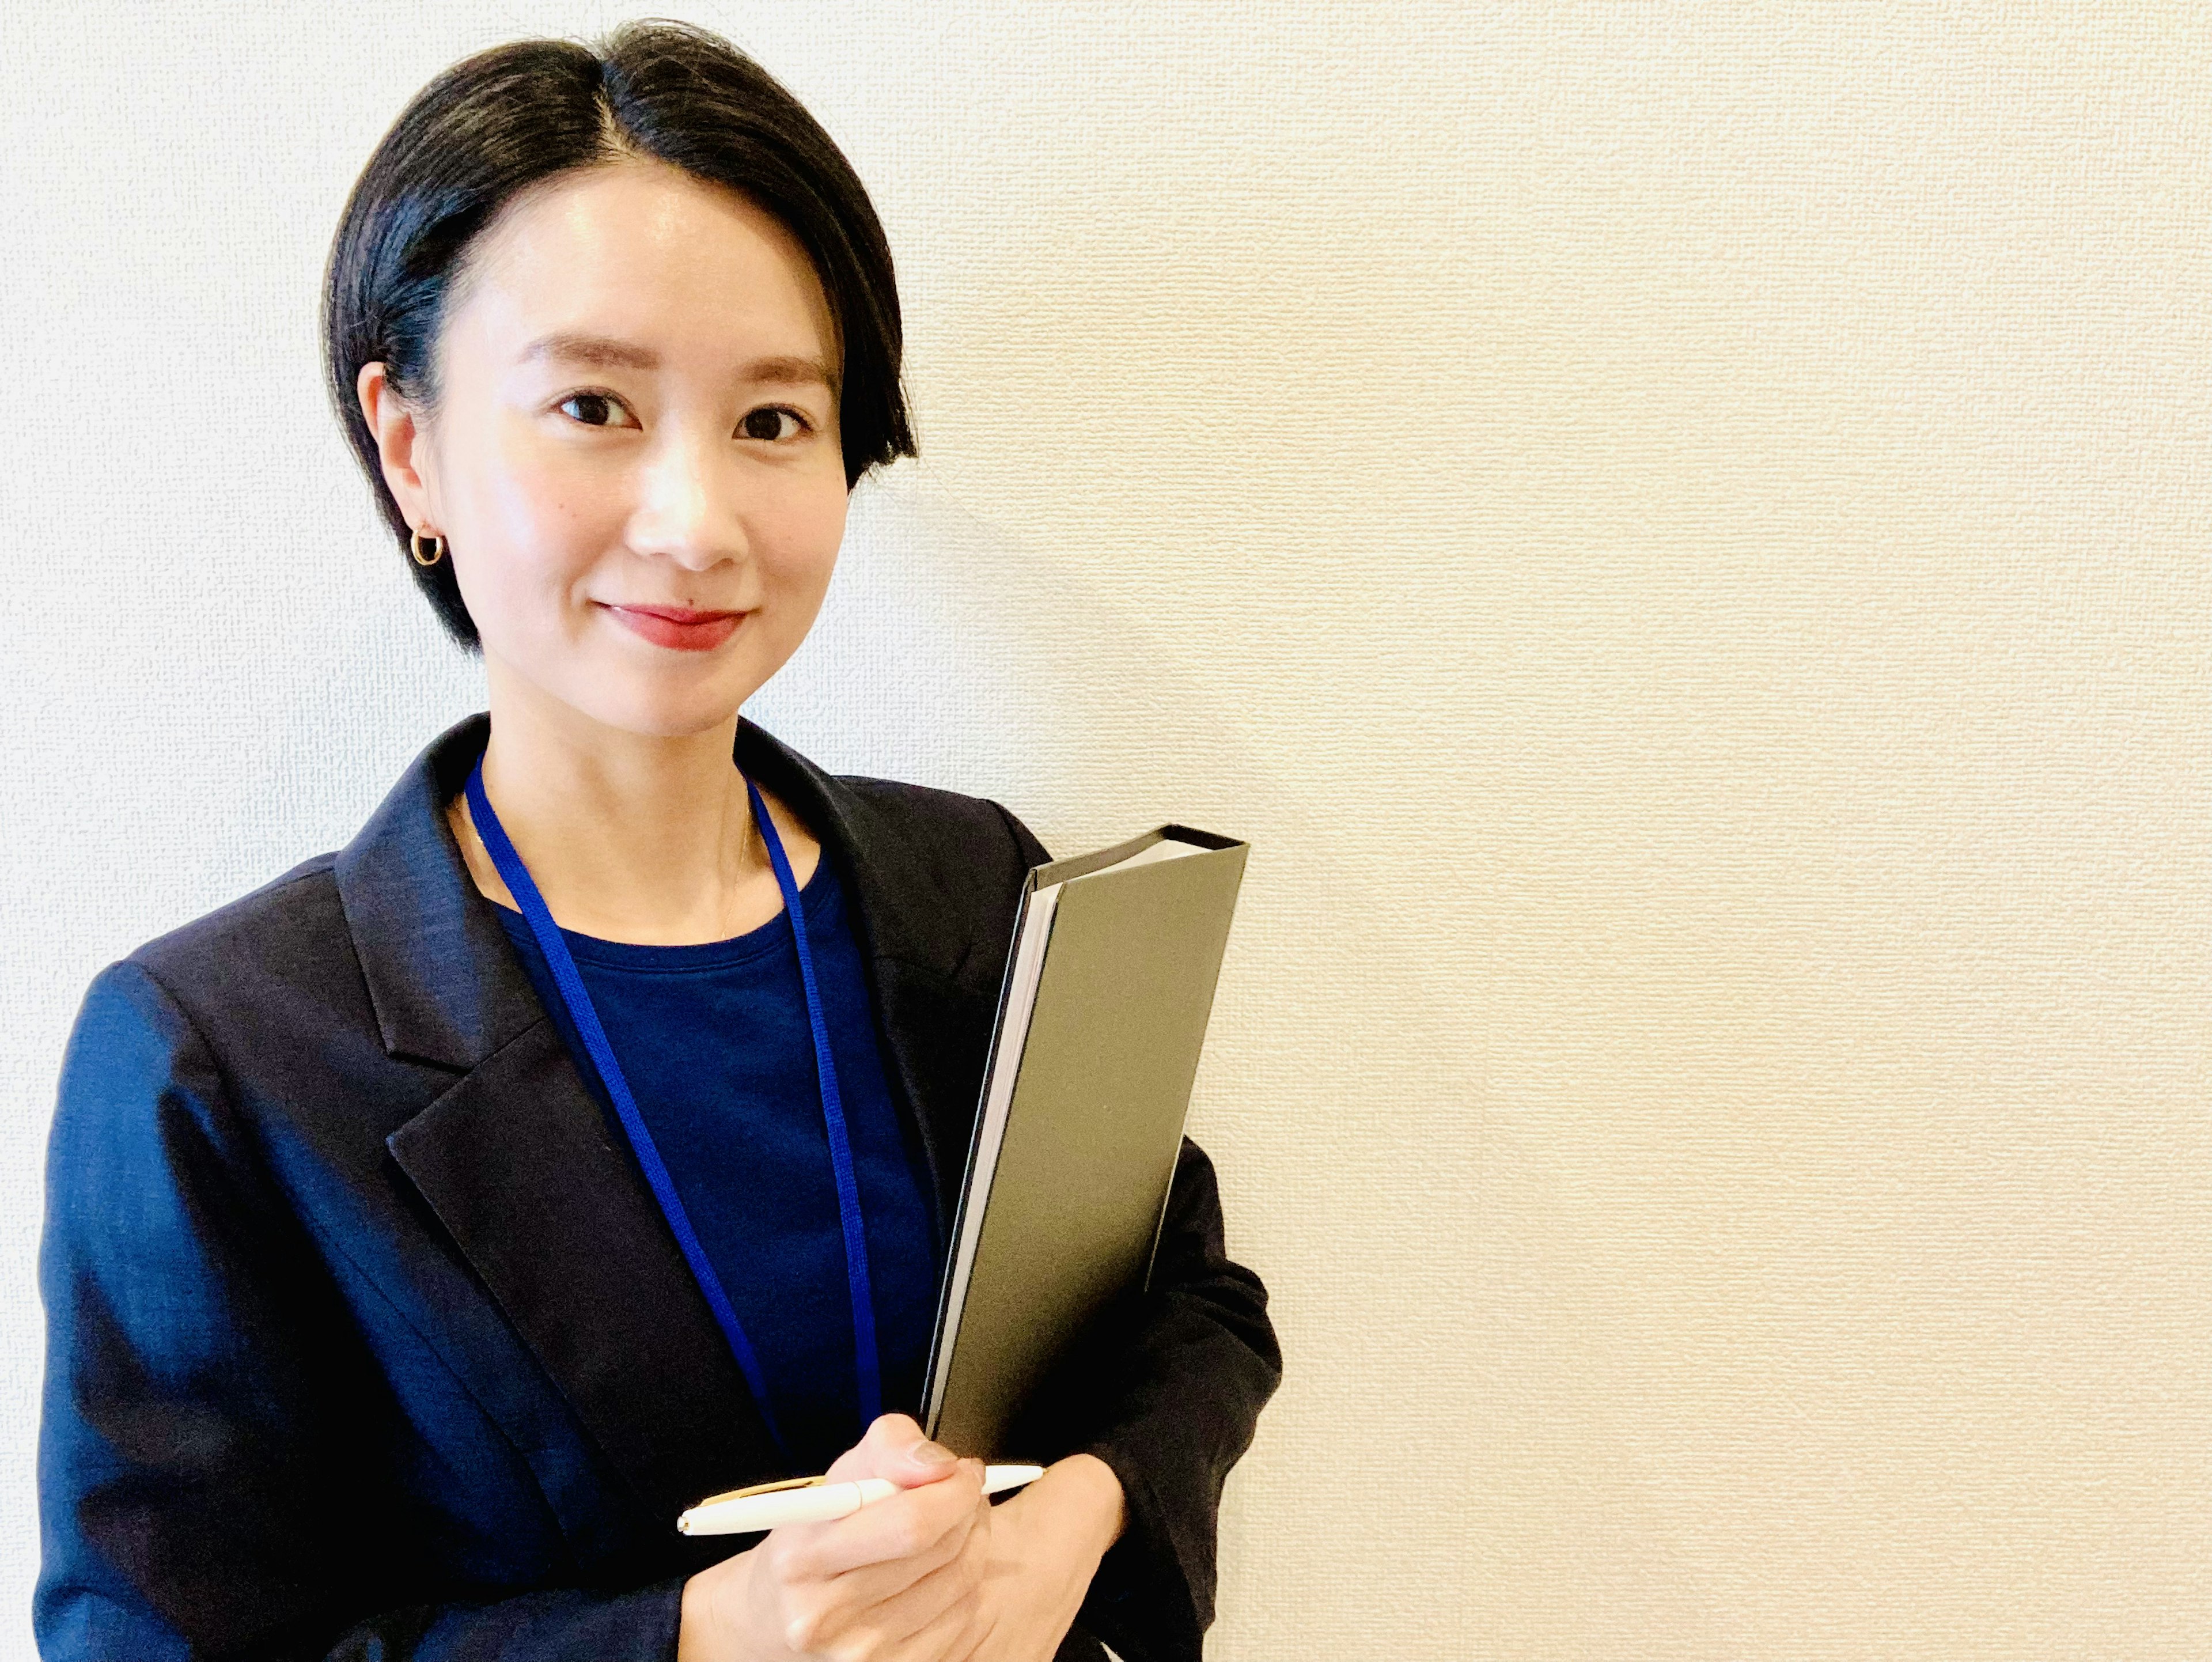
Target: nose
687,503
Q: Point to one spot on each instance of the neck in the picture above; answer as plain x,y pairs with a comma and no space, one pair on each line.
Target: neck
628,835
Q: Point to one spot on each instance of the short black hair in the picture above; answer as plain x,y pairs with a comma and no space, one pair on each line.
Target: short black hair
501,120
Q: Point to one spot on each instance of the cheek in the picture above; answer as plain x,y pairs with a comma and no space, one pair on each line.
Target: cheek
537,525
810,525
806,528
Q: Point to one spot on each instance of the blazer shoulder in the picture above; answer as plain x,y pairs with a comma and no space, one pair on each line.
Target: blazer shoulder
960,864
165,1031
951,830
292,929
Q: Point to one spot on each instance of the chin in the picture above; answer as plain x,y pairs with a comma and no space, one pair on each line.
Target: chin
659,713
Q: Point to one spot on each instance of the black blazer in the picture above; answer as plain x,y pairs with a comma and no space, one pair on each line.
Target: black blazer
366,1338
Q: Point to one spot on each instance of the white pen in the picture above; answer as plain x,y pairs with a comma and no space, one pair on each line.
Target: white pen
814,1500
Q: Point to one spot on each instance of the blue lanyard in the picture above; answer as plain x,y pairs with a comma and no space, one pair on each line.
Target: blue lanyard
570,983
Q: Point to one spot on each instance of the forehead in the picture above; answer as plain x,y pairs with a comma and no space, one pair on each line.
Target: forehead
642,252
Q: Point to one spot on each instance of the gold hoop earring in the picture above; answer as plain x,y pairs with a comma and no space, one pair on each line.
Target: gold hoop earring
415,541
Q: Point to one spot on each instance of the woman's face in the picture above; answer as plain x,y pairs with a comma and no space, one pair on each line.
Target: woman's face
635,456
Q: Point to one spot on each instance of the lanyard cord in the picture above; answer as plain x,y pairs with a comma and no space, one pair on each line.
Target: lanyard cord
866,1373
569,982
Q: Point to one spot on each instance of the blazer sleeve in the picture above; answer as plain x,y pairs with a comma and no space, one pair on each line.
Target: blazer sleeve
209,1413
1167,1390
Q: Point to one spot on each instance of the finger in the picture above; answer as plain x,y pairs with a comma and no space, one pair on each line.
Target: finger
895,1450
914,1524
939,1617
885,1433
814,1562
955,1634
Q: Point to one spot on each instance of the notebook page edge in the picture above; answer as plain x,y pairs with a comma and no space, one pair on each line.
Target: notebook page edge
1027,973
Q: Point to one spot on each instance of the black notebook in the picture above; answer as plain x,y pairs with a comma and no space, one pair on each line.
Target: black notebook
1100,1019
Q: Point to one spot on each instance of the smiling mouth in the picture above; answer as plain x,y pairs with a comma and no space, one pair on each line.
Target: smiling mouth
680,628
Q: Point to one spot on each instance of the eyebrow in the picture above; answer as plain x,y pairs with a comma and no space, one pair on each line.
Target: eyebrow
790,372
604,351
601,350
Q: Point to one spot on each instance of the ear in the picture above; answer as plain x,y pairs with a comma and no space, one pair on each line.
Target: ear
401,451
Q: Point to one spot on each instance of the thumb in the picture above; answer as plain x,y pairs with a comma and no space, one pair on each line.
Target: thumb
895,1451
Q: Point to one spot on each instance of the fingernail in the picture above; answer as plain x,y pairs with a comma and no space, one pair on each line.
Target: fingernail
926,1453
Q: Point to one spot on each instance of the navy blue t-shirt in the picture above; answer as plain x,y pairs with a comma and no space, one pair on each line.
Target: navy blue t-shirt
714,1041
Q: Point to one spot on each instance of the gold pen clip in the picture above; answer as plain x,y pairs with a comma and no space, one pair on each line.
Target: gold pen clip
762,1488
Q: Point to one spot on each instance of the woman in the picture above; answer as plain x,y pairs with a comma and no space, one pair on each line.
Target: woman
429,1227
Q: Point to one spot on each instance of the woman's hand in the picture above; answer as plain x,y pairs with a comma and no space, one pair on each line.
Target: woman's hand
897,1581
934,1574
1045,1546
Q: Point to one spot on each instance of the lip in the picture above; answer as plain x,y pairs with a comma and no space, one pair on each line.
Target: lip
677,626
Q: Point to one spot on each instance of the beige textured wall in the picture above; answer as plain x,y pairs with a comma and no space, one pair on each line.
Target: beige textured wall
1680,531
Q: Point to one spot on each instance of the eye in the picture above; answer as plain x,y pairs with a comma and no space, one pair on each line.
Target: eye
595,409
766,423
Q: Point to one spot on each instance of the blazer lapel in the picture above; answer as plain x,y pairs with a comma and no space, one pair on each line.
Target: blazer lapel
518,1163
522,1170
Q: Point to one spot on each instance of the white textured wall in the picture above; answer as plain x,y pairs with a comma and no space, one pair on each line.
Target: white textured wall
1680,531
